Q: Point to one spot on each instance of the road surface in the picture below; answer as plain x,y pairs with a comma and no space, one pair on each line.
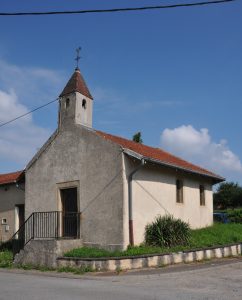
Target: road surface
213,280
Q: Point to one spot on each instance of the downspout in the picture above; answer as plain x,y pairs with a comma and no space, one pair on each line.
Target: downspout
130,199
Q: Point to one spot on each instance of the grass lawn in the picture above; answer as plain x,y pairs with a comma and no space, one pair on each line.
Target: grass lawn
6,259
218,234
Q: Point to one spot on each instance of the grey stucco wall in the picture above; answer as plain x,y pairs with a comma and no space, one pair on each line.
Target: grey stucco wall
44,252
10,196
79,155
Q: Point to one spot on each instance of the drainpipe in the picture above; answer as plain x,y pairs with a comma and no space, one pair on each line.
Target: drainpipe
130,178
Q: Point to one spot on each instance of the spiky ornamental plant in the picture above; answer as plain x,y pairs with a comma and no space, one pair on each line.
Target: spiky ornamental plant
167,232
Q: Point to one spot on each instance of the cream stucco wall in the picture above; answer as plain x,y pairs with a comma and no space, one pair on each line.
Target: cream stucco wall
10,196
154,193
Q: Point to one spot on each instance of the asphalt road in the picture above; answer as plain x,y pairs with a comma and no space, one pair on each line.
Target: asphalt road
216,280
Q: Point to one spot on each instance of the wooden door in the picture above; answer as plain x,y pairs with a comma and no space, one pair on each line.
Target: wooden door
70,216
21,214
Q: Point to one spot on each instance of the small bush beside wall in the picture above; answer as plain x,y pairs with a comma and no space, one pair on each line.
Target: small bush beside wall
167,232
6,259
235,216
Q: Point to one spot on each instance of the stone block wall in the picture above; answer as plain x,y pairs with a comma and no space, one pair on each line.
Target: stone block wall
45,252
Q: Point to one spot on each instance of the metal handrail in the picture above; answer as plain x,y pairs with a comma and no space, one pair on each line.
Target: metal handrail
21,227
46,225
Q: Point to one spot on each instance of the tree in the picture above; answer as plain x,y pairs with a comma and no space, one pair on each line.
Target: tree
229,194
137,138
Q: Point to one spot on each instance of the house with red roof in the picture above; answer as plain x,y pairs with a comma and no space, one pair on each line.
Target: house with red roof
87,187
11,204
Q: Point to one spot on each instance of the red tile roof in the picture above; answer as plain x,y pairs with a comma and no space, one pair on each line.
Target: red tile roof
76,84
158,155
10,177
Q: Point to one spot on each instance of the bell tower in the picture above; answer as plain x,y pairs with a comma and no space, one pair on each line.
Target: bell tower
75,106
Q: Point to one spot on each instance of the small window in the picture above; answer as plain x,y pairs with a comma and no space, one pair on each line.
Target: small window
202,195
179,191
4,221
67,104
84,103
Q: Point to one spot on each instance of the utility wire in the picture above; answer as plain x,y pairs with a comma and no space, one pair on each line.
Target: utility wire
99,11
111,10
27,113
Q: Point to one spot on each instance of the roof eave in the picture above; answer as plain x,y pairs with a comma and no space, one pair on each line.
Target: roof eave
18,179
8,183
216,179
75,91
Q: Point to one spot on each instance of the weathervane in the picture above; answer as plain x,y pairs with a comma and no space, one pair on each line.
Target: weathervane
78,57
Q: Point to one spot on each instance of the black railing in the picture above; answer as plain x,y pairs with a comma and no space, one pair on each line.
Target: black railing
47,225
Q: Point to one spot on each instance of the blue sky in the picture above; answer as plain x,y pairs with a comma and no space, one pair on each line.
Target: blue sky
175,75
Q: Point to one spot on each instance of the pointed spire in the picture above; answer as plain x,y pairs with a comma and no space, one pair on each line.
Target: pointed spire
76,84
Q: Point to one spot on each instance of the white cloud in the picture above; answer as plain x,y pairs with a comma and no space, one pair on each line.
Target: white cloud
198,147
21,139
22,89
32,85
9,106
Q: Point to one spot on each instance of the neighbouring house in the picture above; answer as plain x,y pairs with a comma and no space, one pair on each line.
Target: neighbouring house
103,189
11,204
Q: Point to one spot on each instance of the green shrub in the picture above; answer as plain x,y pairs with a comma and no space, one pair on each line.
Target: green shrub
235,216
6,259
167,232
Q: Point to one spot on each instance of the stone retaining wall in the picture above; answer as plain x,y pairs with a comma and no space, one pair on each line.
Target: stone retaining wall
153,260
45,252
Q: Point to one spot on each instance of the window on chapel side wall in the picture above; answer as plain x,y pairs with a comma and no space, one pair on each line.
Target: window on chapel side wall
202,195
179,191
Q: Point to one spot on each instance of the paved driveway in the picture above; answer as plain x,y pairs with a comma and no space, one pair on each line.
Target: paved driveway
222,280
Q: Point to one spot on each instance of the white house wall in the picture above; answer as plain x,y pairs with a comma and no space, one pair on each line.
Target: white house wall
79,156
154,193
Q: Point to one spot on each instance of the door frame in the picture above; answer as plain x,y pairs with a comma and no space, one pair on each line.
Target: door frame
63,186
17,216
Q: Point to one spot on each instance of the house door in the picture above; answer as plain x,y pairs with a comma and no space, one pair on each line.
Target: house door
19,220
19,216
70,217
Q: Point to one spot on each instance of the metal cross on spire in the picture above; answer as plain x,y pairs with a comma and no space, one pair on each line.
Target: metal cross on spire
78,57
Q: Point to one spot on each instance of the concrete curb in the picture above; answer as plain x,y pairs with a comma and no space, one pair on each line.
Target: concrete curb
153,260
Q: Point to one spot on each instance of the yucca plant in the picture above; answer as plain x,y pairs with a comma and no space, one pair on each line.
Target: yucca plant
168,232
